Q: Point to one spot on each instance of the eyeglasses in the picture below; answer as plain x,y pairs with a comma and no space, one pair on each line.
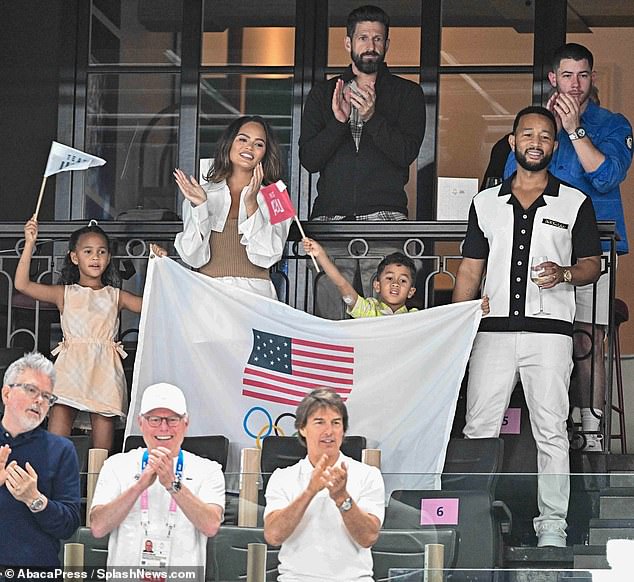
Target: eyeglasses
156,421
34,392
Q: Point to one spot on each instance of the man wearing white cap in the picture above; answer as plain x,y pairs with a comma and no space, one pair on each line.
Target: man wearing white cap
159,504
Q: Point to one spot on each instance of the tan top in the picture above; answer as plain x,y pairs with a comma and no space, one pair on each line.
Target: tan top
229,257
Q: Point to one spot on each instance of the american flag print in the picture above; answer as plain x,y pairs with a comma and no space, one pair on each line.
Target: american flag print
284,369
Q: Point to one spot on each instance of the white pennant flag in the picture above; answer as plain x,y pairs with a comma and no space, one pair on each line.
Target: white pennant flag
63,158
245,362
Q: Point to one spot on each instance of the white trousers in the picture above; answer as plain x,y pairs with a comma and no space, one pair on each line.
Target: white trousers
543,363
584,297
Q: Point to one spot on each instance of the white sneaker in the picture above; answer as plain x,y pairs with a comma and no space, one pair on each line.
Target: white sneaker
594,443
551,539
551,534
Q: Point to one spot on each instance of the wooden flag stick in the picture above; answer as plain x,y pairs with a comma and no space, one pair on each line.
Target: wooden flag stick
39,198
301,230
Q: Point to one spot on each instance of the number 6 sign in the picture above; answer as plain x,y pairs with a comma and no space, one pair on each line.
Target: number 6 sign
439,511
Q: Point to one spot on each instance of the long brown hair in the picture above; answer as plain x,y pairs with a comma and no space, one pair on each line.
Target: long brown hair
271,162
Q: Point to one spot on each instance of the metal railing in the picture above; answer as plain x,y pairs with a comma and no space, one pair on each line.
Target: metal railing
435,247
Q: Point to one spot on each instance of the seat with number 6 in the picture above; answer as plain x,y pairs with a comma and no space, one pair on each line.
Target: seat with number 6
466,504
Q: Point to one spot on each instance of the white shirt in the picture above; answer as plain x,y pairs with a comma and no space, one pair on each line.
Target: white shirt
264,242
321,548
189,546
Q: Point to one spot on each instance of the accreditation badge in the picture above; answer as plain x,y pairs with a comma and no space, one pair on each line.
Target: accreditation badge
155,553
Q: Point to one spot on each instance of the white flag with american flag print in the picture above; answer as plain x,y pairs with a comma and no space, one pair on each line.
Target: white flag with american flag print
284,369
245,361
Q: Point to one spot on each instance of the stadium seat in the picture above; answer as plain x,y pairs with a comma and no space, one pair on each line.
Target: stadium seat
406,549
82,444
470,475
95,550
229,554
212,447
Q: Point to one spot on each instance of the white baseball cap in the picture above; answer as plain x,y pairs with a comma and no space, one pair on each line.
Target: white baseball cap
163,395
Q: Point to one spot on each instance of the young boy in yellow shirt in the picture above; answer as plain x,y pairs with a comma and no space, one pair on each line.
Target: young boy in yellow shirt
394,284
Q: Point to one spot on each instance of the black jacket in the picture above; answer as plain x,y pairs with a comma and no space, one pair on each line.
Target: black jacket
372,179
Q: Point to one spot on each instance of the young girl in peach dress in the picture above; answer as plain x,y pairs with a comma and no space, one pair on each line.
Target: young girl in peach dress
89,372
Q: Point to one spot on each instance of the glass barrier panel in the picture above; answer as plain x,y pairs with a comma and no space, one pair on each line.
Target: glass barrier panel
131,121
135,32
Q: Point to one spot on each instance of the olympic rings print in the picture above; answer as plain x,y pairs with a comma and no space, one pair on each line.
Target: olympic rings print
268,427
280,417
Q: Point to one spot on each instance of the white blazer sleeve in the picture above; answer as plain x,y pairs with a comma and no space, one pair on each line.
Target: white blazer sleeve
193,243
264,242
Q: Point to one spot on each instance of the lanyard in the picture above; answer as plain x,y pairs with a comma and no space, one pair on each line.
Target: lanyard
145,497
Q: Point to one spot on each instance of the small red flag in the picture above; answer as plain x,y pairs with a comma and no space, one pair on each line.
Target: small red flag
278,201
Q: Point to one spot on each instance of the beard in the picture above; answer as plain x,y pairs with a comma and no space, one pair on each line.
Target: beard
367,67
27,424
532,166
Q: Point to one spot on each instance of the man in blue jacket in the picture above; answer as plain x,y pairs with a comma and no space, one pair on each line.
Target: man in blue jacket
39,473
594,155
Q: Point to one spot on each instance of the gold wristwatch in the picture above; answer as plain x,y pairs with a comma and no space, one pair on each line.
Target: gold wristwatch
567,276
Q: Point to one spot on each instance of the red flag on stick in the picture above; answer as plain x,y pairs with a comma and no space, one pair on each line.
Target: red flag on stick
278,201
280,207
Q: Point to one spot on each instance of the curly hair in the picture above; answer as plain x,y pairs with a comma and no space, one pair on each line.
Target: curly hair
70,271
271,163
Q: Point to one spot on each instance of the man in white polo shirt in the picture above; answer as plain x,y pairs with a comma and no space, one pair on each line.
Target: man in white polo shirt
530,215
326,510
159,504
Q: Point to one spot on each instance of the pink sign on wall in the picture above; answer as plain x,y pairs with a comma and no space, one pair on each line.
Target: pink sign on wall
512,421
439,511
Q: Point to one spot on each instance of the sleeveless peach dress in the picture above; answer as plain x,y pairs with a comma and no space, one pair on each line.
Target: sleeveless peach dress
90,375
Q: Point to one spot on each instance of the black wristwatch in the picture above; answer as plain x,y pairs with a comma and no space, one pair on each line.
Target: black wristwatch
578,133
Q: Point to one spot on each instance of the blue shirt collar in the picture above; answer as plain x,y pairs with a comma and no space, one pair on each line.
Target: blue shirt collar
23,436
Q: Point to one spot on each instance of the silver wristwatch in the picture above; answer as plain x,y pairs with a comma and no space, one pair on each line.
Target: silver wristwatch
175,486
346,505
578,133
37,504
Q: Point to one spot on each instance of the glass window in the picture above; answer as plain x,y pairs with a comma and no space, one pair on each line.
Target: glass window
486,33
223,97
475,111
249,33
131,122
135,32
404,33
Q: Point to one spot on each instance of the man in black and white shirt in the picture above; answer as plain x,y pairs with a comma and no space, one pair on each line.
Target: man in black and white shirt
530,215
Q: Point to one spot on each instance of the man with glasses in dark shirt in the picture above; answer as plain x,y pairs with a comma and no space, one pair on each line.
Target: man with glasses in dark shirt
39,473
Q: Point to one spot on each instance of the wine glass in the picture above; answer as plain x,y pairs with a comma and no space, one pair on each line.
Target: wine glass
537,277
